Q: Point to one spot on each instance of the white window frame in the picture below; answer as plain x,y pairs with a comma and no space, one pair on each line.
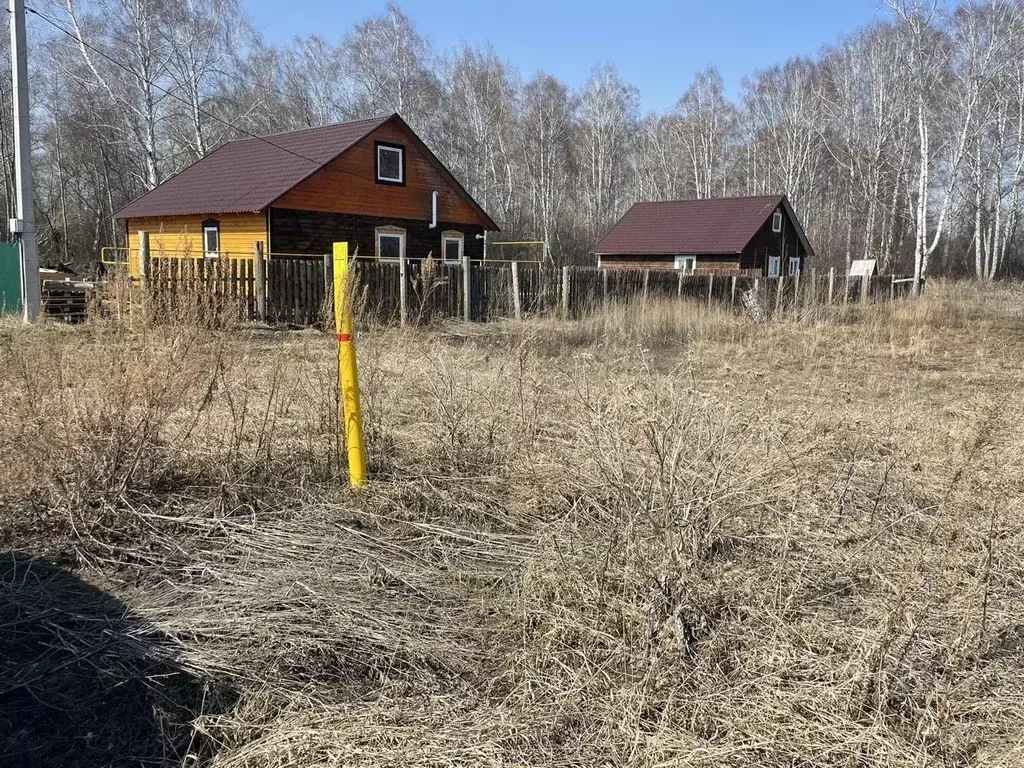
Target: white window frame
389,232
449,236
777,221
680,264
774,266
793,266
400,179
207,253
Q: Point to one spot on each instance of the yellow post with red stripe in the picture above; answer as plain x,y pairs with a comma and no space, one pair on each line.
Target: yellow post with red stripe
348,373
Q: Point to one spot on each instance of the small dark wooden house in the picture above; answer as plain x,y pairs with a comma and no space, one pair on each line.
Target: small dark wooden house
754,236
372,183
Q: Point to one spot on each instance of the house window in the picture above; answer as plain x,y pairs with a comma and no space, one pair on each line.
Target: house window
211,239
390,163
777,222
774,265
686,264
794,265
390,243
452,244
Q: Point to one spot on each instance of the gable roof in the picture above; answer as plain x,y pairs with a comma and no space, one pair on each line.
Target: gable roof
711,226
248,175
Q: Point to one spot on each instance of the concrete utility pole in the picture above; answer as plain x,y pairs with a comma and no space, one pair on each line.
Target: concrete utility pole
25,224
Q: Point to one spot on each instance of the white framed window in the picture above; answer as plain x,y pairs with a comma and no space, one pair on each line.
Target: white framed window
211,239
687,264
794,265
774,266
777,222
390,243
390,163
452,245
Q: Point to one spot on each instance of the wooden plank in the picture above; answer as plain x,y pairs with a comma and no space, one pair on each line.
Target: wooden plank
403,290
565,292
259,278
143,246
325,300
517,302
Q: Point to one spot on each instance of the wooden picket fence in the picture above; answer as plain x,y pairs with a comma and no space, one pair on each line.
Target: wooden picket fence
297,291
584,290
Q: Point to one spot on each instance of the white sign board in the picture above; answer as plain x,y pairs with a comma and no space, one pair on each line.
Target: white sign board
864,268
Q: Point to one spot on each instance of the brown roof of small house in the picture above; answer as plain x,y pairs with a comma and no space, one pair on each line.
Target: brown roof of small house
711,226
248,175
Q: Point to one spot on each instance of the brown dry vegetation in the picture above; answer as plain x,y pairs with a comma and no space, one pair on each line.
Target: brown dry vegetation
659,536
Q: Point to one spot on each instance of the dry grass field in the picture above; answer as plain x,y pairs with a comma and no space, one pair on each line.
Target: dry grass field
661,536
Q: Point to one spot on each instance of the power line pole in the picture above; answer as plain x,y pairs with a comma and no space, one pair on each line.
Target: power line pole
25,224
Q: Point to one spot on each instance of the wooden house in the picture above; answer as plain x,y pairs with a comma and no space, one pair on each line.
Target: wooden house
753,236
372,183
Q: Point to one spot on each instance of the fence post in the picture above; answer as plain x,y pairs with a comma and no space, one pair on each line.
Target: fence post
647,277
565,291
679,285
259,269
892,288
846,292
517,302
865,285
796,290
732,292
403,290
604,287
143,255
814,286
467,307
831,283
711,283
780,282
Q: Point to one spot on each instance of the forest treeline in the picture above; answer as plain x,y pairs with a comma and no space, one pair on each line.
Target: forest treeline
903,142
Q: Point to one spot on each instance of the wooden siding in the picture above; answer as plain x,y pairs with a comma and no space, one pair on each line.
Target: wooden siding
706,265
768,243
348,185
311,233
183,235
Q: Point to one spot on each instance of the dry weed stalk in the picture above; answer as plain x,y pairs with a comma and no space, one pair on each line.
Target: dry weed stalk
658,537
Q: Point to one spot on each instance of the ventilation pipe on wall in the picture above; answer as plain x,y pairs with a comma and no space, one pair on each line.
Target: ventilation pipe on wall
433,209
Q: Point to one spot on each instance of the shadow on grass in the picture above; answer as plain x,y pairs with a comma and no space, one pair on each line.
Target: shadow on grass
85,683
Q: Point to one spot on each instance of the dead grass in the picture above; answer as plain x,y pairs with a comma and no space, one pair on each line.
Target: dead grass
652,537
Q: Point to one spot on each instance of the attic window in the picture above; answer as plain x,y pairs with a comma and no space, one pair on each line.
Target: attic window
777,222
390,163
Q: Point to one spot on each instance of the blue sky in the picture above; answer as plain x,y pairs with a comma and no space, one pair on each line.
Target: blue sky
657,45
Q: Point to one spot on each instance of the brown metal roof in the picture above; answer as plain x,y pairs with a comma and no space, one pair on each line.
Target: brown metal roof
722,225
249,174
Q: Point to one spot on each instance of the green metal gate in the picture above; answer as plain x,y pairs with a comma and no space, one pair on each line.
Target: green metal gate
10,279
